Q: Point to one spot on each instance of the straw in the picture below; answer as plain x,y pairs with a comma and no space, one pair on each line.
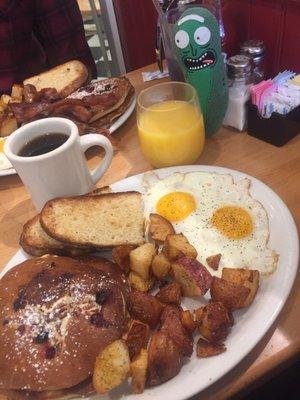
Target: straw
158,9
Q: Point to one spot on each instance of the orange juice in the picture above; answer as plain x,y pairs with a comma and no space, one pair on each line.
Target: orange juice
171,133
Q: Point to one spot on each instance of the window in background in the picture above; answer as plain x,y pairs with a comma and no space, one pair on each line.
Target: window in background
102,36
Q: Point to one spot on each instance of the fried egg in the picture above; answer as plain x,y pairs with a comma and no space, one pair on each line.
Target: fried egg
4,162
217,215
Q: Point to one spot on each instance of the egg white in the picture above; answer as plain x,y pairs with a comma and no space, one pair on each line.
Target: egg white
212,191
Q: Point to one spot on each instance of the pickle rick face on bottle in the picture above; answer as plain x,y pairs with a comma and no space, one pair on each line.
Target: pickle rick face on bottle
195,46
196,40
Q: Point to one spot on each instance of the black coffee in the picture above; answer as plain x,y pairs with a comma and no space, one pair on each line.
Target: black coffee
43,144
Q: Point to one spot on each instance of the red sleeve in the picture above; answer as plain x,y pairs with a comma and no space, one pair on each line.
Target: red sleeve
59,28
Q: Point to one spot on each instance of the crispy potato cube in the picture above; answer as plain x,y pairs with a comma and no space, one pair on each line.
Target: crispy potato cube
214,261
144,307
188,321
139,372
176,246
160,266
214,322
17,92
141,259
170,293
248,278
8,126
206,349
112,367
160,227
138,283
172,326
192,276
164,359
6,99
137,338
232,295
120,255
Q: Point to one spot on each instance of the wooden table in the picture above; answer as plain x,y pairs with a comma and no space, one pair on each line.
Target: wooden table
279,168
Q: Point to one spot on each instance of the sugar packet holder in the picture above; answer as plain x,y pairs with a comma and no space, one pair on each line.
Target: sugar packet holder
276,130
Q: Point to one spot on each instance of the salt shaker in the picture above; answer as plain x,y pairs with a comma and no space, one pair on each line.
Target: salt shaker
239,79
255,49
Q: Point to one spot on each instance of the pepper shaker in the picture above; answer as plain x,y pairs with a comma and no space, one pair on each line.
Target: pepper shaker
255,49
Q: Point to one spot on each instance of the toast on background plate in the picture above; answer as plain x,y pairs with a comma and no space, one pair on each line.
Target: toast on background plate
99,221
65,78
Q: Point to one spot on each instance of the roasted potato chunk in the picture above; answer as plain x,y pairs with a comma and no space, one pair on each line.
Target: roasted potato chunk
141,259
214,322
120,255
139,372
6,99
188,321
248,278
206,349
214,261
8,125
138,283
144,307
160,266
17,92
172,326
232,295
112,367
137,338
170,293
192,276
176,246
164,359
160,227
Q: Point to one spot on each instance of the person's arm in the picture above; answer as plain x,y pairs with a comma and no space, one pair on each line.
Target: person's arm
59,28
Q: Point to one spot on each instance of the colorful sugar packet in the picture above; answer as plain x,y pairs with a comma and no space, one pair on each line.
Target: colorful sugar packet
280,94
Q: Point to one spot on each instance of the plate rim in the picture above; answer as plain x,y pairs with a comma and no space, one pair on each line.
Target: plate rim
236,358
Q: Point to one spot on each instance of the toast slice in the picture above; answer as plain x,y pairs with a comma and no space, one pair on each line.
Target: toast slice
99,221
35,241
65,78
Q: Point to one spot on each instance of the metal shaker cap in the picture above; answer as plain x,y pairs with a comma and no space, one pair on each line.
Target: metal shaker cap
238,66
253,48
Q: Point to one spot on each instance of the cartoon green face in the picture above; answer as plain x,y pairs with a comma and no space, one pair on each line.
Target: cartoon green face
194,41
197,45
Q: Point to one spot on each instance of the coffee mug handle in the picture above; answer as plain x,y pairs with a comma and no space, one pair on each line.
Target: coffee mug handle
92,139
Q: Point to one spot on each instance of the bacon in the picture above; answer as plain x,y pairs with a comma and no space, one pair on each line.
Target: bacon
25,112
76,111
30,94
108,100
49,94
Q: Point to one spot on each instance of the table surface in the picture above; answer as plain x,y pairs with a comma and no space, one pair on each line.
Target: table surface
279,168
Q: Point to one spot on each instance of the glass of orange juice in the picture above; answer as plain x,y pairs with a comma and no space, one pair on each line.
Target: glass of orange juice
170,124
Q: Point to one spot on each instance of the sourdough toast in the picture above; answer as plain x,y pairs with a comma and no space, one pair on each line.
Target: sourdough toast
99,221
35,241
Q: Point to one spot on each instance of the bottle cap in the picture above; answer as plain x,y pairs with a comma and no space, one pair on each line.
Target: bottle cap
186,1
253,48
238,66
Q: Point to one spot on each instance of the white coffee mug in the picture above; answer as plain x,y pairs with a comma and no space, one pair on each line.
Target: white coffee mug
60,172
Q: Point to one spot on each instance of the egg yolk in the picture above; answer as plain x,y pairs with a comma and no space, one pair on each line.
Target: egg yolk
1,146
176,206
233,222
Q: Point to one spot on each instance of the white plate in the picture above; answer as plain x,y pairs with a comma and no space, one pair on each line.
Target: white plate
116,125
250,324
7,172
